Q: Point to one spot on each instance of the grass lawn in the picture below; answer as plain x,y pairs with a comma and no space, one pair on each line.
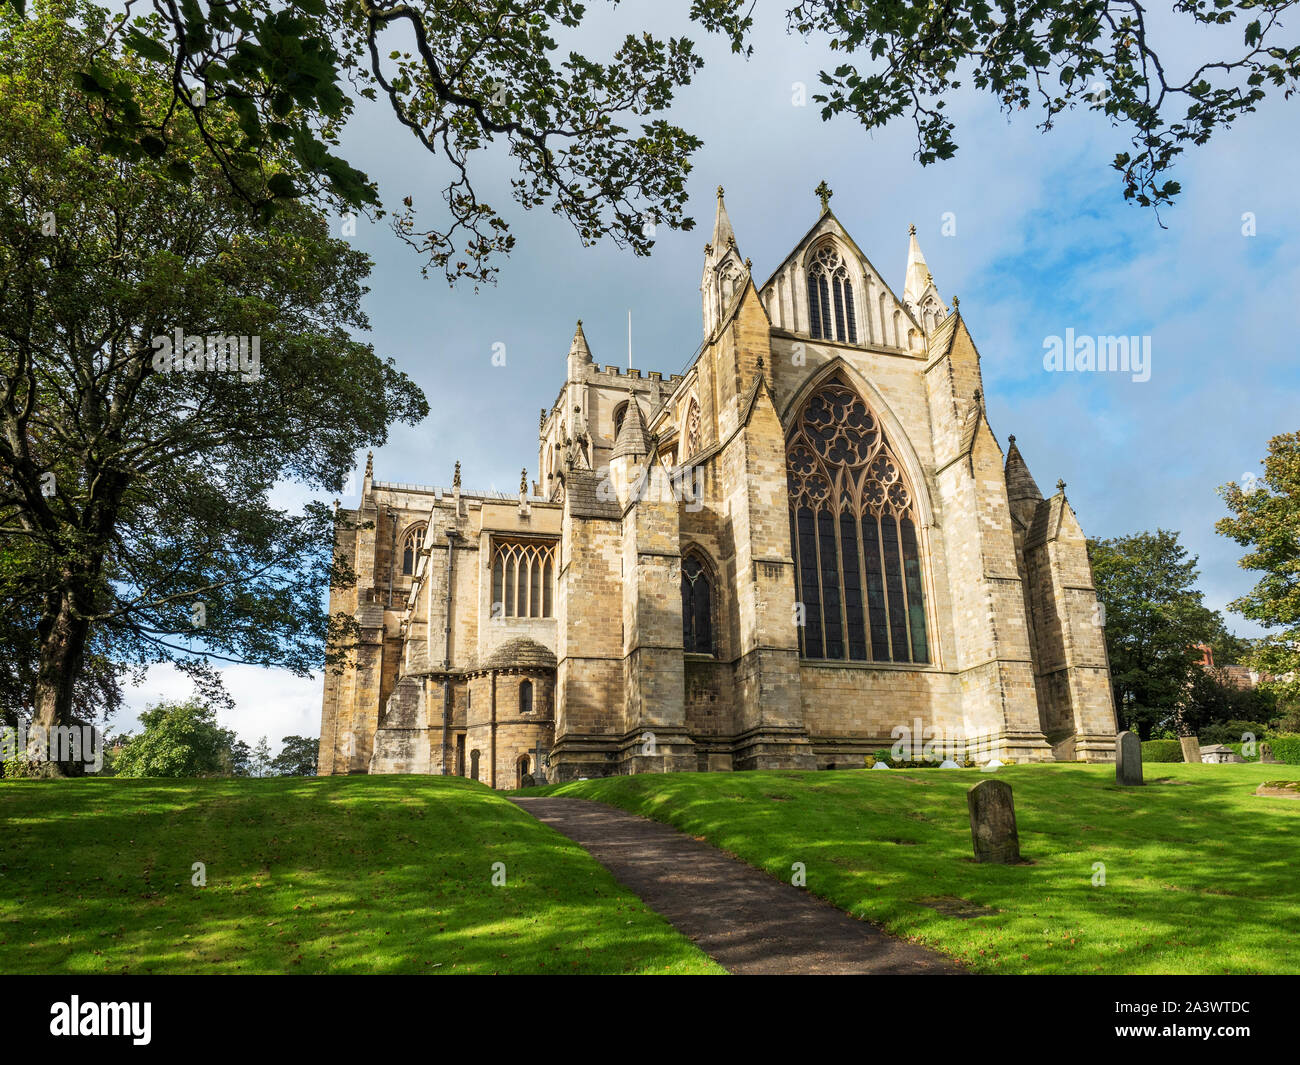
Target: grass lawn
341,875
1201,874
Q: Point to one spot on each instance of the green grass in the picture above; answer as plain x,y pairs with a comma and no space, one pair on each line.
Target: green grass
1200,873
338,875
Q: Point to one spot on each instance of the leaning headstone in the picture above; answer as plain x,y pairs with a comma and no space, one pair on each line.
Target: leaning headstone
993,822
1128,760
1191,748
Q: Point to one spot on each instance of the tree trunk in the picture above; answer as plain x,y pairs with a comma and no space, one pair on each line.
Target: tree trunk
63,638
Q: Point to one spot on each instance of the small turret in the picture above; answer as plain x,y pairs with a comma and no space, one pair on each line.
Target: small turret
631,452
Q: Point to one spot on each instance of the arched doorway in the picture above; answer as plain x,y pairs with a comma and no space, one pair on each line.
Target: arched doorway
523,778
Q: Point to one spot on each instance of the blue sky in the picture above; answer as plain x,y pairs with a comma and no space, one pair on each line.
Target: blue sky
1044,242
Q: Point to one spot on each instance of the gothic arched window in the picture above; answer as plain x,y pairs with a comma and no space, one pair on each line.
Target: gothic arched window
620,412
697,607
523,579
692,428
830,298
411,543
853,528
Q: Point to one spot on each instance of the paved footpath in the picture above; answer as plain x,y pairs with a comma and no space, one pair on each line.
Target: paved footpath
747,921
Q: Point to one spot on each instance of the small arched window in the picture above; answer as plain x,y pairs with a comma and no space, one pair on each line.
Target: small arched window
692,427
411,544
697,607
830,298
620,412
526,697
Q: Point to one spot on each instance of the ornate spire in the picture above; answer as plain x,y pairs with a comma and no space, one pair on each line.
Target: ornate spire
918,278
579,345
723,235
1020,482
633,437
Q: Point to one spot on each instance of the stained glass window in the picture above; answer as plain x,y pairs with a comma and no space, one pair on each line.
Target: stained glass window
830,295
853,530
697,607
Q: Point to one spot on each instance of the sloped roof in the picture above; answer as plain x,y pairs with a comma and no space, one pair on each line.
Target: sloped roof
521,652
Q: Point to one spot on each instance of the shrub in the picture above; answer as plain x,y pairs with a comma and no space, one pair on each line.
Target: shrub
1162,751
1230,732
1285,747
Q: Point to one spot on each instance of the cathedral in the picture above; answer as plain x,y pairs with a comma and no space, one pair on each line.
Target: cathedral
807,542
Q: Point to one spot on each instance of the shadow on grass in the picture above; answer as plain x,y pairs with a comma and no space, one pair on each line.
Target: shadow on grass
1198,871
350,874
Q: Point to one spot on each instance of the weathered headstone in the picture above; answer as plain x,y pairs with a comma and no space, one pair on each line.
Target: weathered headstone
1266,755
1128,760
993,822
1191,748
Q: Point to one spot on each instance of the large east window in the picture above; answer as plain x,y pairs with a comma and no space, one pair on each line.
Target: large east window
854,531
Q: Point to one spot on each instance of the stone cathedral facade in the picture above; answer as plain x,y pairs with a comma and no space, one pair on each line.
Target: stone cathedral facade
807,541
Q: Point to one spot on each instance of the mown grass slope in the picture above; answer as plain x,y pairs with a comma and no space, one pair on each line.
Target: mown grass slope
1201,875
333,875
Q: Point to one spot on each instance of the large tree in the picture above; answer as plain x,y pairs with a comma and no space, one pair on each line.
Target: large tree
179,740
468,77
1266,520
134,480
1155,618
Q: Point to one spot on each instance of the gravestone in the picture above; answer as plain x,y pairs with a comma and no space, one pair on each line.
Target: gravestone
993,822
1191,748
1128,760
1266,755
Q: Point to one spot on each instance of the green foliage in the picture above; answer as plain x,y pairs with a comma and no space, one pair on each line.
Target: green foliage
136,495
179,740
1162,751
1266,520
1285,747
1231,732
1155,617
271,84
297,758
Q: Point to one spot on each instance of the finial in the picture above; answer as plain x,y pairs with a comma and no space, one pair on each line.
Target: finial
719,192
523,481
731,240
911,230
1060,486
455,477
760,362
977,395
824,193
579,323
336,508
748,267
1011,439
955,303
541,419
708,248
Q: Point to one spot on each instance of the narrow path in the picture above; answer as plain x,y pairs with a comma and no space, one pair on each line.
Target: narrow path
749,922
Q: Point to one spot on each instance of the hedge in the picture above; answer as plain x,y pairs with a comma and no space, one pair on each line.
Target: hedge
1162,751
1285,747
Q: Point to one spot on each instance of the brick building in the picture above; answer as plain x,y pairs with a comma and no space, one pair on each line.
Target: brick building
778,559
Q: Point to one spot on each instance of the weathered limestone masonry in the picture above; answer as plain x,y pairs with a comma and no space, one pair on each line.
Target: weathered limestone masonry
806,543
